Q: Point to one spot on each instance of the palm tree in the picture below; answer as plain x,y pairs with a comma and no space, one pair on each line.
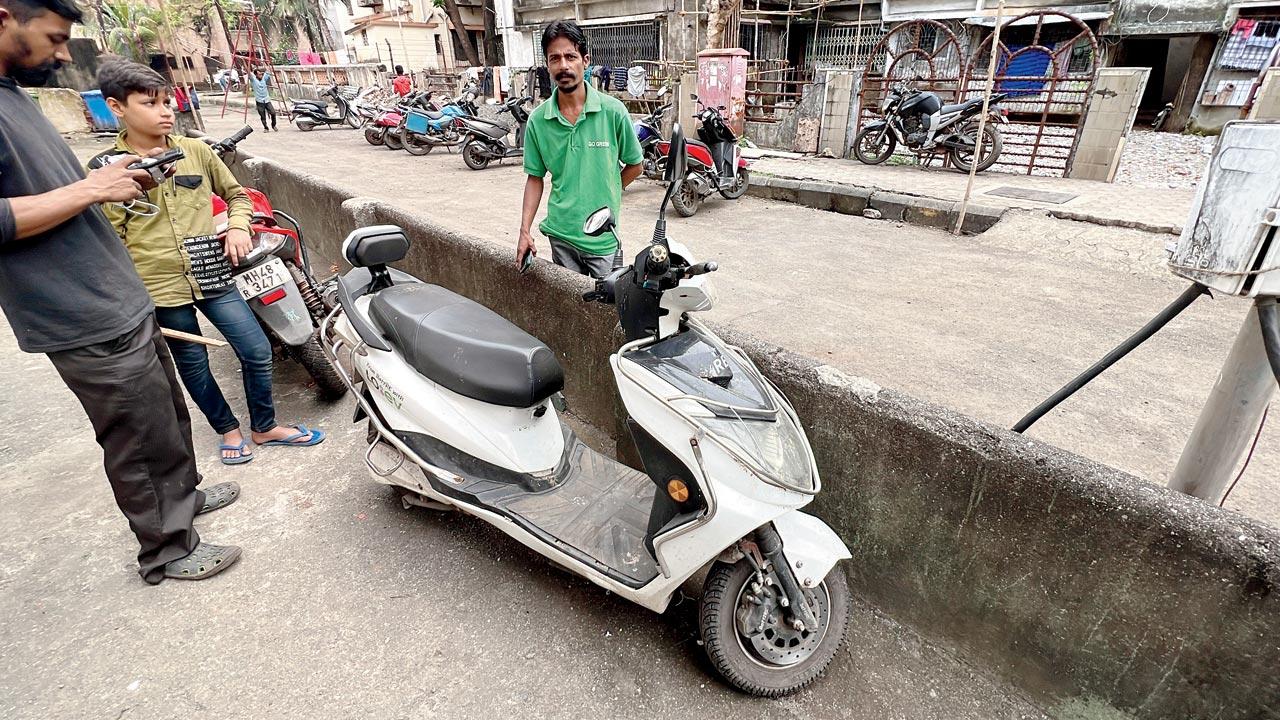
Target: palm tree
303,13
131,29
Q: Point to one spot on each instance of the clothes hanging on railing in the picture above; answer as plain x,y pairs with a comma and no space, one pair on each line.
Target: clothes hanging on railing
1249,46
637,81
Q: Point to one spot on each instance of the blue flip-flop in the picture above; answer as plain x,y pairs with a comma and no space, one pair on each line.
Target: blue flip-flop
314,437
244,457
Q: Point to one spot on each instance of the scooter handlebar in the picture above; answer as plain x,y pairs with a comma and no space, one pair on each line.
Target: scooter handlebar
702,268
239,135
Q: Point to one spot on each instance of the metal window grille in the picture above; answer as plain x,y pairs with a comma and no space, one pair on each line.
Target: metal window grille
619,44
762,40
835,45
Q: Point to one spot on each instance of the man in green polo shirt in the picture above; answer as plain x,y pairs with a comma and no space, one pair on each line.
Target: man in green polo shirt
581,136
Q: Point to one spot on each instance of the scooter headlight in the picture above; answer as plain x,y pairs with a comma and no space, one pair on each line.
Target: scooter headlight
777,446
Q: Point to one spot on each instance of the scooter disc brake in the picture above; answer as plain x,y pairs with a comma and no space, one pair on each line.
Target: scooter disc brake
781,645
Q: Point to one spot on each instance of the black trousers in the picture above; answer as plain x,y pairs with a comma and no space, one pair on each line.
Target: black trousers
265,109
130,392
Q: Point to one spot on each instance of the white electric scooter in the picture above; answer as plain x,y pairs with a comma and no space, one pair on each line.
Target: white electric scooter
463,413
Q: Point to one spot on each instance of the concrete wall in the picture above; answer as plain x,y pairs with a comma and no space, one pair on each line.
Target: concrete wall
1101,595
798,128
64,108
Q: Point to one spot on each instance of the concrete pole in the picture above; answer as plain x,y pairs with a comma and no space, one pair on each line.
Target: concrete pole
1230,417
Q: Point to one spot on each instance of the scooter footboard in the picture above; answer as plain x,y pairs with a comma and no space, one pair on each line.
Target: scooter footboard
810,545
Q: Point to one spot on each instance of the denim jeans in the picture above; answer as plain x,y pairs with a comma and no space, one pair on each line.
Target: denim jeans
231,315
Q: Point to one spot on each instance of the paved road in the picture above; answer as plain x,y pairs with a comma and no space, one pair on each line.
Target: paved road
988,325
345,605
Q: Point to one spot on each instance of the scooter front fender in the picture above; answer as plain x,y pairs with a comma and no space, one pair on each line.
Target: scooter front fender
810,545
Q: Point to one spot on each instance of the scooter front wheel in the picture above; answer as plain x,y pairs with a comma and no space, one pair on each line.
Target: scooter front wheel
741,182
392,140
473,155
777,659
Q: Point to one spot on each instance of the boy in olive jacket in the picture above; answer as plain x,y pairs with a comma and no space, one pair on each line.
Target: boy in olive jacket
186,266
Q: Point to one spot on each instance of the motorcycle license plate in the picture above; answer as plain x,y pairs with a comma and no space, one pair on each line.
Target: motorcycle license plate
262,279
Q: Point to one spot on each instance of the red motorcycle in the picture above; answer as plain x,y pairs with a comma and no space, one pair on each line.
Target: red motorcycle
385,129
275,279
715,163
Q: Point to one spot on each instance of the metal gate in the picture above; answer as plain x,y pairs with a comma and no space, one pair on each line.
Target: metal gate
618,44
924,52
1047,61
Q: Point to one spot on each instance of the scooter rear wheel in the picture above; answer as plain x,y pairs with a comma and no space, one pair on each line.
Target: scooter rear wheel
473,155
374,135
392,140
779,660
412,144
329,384
305,125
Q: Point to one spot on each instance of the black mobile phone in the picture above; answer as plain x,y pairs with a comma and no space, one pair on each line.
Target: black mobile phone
166,158
527,262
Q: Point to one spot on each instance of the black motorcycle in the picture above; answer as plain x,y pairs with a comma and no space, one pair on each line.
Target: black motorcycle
487,139
649,133
920,122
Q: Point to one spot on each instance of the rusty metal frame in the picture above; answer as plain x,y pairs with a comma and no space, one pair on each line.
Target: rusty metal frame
1063,105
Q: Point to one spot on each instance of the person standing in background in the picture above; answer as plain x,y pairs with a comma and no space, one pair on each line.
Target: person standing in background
402,85
262,97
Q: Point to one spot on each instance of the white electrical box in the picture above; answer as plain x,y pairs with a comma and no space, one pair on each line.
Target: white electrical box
1230,242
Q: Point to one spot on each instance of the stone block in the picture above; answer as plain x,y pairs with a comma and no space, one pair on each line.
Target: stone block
892,206
930,212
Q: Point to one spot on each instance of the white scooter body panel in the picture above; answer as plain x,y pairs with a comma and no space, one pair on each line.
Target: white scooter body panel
513,438
738,502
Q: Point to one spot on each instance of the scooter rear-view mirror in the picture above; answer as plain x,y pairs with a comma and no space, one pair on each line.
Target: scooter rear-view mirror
598,222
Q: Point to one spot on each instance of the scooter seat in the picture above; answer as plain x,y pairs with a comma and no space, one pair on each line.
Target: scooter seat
465,346
488,128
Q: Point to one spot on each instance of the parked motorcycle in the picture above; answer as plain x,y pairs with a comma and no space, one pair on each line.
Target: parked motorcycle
715,163
275,278
385,128
919,121
486,140
464,411
424,129
308,115
649,133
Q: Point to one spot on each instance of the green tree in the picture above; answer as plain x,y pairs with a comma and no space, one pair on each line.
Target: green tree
131,29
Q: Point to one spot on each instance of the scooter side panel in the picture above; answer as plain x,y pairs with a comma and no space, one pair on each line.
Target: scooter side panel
513,438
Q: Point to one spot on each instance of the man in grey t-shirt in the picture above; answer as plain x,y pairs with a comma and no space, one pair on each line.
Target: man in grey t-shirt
68,289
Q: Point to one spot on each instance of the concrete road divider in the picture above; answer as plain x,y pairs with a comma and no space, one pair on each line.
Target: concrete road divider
1100,595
